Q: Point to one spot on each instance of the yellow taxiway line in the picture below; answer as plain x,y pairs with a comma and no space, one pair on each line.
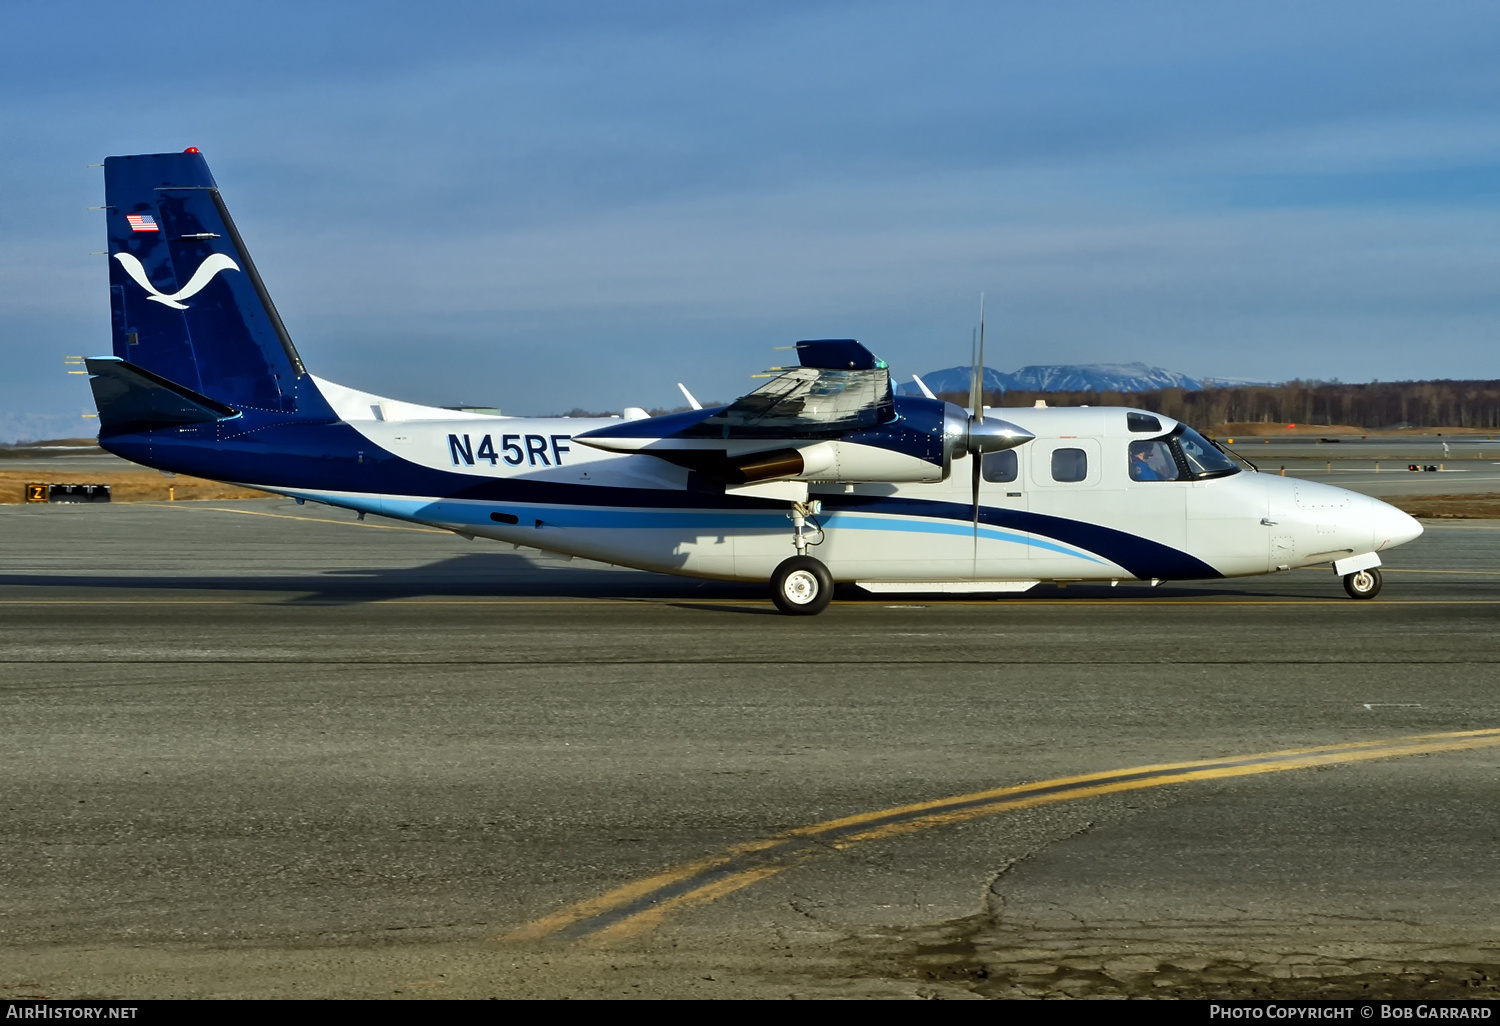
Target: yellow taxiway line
641,905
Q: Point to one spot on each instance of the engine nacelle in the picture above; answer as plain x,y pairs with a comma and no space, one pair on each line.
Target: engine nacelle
917,445
848,462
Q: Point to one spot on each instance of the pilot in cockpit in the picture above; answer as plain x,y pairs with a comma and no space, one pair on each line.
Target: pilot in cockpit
1152,461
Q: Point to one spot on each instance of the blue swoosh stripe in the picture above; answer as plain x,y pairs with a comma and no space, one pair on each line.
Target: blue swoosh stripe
284,455
682,520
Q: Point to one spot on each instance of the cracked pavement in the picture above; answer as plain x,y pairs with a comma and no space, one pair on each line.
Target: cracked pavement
255,757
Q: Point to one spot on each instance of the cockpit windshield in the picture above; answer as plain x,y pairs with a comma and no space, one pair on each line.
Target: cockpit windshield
1203,457
1180,455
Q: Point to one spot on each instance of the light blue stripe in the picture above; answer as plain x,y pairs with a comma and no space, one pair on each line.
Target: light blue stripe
701,522
845,522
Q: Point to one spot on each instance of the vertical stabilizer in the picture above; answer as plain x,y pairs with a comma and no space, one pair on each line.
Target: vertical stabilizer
186,300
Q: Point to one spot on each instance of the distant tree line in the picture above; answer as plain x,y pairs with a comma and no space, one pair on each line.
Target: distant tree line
1379,404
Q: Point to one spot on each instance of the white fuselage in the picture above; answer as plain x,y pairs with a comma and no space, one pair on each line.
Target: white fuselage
1103,527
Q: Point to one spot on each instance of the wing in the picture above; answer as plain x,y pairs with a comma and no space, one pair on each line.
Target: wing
834,418
805,402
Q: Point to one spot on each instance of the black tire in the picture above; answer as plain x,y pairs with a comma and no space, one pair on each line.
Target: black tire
801,586
1363,584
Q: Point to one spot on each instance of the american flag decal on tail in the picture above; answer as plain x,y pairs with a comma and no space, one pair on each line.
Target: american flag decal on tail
142,223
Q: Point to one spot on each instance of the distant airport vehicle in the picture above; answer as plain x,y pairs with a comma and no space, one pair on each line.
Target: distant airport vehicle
822,475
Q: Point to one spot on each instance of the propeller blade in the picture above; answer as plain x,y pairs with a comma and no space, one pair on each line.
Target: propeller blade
973,358
978,391
978,458
982,437
976,452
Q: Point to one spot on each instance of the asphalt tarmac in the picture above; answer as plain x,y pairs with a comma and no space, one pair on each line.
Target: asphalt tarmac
261,749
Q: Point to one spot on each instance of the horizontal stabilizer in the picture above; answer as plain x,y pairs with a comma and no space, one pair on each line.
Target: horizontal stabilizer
132,399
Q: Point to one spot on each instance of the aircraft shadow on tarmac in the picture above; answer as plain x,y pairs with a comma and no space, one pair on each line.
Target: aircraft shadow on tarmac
466,576
505,575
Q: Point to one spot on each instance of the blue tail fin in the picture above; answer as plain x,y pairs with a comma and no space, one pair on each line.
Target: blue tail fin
187,302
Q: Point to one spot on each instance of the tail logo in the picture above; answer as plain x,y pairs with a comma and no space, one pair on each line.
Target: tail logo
201,277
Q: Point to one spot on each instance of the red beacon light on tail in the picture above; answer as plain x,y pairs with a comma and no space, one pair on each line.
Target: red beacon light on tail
191,149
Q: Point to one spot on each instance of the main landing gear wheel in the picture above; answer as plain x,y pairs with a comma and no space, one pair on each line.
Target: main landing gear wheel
801,586
1363,584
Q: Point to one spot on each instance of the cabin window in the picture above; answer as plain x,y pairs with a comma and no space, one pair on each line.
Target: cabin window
1142,422
1069,464
1152,461
1000,466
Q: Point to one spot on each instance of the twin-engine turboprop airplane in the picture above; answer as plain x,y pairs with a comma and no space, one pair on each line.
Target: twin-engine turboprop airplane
822,475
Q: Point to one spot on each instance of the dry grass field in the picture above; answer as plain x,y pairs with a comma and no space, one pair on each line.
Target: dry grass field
1449,507
125,485
1259,429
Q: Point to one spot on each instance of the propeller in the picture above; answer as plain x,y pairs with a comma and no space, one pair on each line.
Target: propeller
976,399
975,434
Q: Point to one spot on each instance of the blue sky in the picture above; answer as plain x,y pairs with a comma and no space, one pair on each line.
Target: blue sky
547,205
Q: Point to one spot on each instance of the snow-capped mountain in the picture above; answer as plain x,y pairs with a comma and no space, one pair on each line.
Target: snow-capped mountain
1093,377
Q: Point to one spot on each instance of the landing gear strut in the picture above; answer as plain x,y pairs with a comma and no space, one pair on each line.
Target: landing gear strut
802,585
1363,584
799,515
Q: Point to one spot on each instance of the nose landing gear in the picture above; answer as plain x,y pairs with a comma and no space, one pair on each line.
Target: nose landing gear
1363,584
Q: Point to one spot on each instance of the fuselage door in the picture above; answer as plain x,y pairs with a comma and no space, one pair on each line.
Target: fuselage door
1065,475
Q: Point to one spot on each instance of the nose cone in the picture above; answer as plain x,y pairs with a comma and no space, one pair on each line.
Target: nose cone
1392,527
